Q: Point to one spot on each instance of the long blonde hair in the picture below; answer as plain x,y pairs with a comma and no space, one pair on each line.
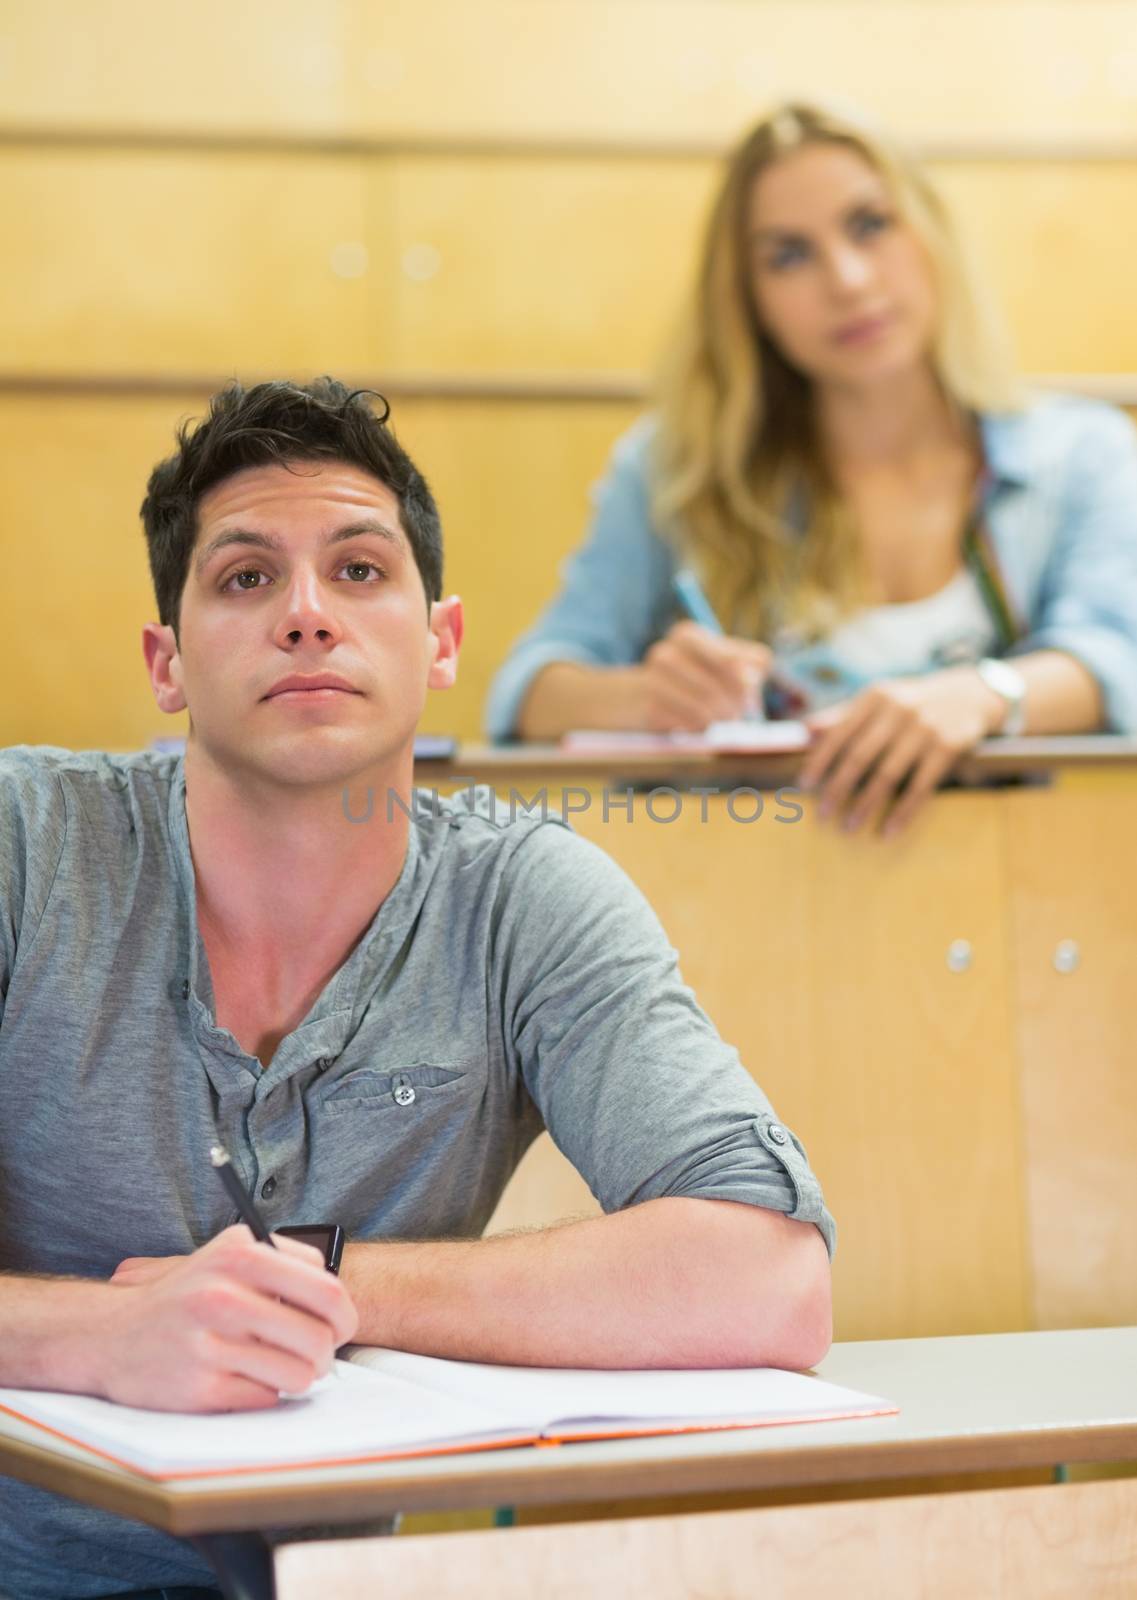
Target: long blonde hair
737,460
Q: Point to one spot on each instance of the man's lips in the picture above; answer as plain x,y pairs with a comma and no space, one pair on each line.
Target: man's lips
323,683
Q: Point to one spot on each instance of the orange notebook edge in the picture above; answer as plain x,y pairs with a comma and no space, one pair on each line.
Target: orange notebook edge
418,1452
156,1475
655,1430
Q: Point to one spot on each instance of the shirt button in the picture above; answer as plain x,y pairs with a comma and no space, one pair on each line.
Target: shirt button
404,1095
778,1134
268,1188
185,990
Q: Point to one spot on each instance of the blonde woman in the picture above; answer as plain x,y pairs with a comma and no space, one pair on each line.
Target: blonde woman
878,518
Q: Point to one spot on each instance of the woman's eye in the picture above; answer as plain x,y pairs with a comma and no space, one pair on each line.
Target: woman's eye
787,255
360,571
867,223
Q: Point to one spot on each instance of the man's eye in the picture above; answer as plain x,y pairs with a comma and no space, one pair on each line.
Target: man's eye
247,578
361,571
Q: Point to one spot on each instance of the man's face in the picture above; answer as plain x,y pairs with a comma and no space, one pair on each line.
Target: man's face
305,640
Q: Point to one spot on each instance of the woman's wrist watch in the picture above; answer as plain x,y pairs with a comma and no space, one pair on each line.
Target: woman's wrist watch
1010,685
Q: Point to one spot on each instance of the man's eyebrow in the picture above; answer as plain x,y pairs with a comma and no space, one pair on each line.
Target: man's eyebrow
250,539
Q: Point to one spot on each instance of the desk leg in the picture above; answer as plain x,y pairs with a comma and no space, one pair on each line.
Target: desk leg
242,1562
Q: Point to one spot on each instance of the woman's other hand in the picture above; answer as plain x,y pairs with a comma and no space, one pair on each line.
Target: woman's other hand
878,756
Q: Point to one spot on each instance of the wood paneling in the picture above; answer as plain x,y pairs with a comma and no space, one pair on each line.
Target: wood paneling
76,585
1073,872
143,262
128,64
667,70
533,263
152,262
1057,241
651,71
1055,1543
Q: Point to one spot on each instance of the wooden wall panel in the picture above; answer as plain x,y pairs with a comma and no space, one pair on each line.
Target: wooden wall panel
1058,241
151,262
536,264
668,70
655,71
1049,1543
76,587
1074,876
262,65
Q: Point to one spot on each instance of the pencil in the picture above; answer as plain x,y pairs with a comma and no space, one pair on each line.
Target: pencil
235,1189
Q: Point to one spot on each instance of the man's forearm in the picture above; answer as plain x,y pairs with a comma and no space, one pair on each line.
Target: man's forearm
49,1331
671,1283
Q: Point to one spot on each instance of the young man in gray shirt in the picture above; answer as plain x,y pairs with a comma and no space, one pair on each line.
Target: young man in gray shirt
375,1017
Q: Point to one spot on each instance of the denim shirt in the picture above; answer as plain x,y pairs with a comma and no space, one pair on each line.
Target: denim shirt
1060,507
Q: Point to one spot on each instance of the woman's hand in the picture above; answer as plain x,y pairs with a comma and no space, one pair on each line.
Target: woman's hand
902,734
692,677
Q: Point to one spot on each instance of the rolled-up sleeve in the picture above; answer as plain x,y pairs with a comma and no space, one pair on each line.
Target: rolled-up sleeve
630,1076
615,596
1087,603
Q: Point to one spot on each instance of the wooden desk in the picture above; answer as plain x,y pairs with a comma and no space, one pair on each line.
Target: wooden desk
970,1405
945,1019
993,759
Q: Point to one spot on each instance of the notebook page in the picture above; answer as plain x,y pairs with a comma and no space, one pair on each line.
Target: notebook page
760,737
565,1397
349,1415
756,737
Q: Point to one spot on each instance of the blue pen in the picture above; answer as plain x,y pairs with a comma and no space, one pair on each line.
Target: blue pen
689,593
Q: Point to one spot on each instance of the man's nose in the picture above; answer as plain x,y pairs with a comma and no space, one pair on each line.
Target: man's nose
308,614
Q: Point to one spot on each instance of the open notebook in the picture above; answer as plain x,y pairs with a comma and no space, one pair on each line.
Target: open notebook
720,738
382,1404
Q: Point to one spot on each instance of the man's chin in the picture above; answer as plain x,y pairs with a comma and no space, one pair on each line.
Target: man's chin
320,757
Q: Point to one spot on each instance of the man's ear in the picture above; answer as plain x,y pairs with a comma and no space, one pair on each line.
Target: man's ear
163,663
446,624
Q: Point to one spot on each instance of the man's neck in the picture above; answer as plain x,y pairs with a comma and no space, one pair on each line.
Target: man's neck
286,881
890,424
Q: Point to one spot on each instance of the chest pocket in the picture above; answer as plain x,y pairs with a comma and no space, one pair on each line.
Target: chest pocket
410,1090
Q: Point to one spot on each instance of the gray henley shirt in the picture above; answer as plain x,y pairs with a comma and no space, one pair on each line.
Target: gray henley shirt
513,979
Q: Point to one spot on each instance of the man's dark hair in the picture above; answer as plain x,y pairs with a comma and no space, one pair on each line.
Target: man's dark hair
279,423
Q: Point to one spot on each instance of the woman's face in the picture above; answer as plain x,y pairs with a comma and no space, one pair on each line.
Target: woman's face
842,283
